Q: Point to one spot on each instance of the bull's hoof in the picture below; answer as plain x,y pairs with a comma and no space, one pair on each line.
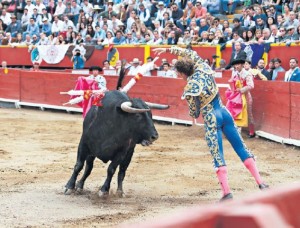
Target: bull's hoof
103,195
120,193
79,190
69,191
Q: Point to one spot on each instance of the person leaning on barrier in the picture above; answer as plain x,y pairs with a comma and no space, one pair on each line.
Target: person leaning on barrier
201,93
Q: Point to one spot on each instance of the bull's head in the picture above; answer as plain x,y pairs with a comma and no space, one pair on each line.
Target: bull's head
143,110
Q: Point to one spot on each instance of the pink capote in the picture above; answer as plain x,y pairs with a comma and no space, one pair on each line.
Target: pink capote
235,102
83,83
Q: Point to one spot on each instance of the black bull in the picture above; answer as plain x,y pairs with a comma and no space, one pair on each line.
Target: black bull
111,133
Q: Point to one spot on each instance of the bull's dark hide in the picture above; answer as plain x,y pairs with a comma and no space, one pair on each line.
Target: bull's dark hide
111,134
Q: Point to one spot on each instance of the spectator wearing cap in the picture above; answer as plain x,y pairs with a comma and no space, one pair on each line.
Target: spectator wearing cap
32,28
45,14
144,15
57,25
97,77
160,11
5,17
188,14
40,6
46,27
96,11
87,8
29,6
60,8
135,67
14,27
177,13
291,34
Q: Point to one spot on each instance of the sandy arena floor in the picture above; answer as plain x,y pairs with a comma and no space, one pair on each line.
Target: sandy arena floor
38,152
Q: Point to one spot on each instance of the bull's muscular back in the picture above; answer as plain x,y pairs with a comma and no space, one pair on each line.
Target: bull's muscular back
108,130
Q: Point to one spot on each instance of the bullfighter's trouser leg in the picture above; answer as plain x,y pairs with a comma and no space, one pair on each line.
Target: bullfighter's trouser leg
213,136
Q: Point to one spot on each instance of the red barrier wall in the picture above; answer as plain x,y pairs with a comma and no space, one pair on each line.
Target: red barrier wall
10,84
276,104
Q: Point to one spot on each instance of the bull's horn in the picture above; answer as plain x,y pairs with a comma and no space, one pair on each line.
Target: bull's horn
157,106
126,107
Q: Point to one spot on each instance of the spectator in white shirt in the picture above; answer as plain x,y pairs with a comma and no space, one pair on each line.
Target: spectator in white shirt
57,25
67,23
29,6
167,72
5,17
40,6
60,8
25,19
135,67
87,8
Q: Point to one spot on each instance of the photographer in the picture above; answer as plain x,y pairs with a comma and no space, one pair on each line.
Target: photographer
78,59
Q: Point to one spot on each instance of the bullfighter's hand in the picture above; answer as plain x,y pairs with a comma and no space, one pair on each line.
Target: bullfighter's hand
159,51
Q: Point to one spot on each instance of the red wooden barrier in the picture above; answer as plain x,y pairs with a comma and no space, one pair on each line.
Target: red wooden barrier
10,84
276,104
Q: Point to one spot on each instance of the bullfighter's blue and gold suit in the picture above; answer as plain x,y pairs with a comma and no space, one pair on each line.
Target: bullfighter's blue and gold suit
202,95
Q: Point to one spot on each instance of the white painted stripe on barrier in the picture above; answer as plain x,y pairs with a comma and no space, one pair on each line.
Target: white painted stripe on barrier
172,120
43,106
278,138
11,101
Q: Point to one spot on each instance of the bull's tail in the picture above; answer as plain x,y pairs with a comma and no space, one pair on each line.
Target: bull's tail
121,75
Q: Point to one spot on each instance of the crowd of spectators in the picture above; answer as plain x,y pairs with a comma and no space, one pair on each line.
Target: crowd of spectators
135,22
94,22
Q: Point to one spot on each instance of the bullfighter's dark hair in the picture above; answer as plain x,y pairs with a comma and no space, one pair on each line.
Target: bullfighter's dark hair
185,66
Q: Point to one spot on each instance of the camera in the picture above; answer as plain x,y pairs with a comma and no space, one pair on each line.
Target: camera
77,54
